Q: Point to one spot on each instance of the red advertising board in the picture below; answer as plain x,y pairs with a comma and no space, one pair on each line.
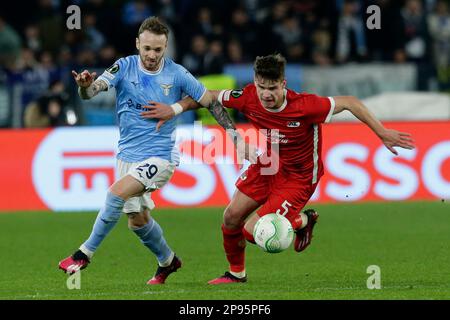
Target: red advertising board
71,168
359,167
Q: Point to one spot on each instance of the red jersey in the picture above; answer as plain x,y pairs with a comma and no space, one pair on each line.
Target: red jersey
297,122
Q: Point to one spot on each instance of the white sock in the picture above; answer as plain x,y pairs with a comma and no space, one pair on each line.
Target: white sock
238,274
86,251
304,220
168,261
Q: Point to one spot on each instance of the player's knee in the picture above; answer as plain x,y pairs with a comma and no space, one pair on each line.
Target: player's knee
232,218
119,192
126,188
137,219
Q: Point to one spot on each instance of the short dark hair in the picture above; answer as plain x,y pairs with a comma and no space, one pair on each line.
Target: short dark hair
153,25
270,67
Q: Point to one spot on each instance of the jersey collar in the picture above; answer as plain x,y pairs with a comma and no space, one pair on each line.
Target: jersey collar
151,73
283,105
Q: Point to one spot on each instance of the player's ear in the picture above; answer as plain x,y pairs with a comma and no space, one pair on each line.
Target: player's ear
283,84
137,43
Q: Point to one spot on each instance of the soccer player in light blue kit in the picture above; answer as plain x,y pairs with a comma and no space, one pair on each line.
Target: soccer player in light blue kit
147,157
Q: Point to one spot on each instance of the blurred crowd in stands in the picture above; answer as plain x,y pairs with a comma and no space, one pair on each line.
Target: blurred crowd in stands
38,51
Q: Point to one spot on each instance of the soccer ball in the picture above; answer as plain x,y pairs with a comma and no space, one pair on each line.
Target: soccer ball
273,233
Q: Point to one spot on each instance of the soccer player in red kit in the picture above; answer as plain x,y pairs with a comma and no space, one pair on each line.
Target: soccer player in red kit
292,123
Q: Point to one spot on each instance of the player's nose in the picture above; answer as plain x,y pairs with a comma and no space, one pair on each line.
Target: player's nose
266,94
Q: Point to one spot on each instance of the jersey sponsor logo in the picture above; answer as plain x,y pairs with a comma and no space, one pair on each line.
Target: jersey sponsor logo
275,137
237,93
113,69
132,105
293,124
166,88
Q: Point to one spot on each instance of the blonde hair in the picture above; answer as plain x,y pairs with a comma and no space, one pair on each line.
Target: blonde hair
153,25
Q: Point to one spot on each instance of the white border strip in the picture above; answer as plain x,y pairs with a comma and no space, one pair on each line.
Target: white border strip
315,153
201,97
330,114
220,96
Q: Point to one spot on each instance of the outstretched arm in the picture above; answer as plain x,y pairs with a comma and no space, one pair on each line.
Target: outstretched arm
245,150
163,112
87,87
223,118
390,138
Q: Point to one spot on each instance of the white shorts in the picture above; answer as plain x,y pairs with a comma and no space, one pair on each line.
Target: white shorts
153,173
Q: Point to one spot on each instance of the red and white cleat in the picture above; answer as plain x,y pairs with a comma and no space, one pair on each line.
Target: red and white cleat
76,262
303,236
163,272
227,278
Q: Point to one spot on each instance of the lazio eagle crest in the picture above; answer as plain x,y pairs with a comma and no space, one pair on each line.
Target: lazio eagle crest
166,88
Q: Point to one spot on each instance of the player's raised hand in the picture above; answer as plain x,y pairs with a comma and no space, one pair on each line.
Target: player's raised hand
393,138
84,79
158,110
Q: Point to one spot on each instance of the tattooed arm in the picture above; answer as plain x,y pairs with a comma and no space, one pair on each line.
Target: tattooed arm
87,88
223,118
92,90
245,150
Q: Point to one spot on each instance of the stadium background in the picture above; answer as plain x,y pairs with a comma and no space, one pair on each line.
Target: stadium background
321,40
58,151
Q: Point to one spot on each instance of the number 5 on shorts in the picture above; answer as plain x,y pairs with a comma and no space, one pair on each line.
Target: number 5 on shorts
285,205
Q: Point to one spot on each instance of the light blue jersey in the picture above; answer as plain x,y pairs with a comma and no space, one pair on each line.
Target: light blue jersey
135,87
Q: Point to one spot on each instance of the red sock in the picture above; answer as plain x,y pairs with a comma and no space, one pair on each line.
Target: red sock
248,236
297,222
234,245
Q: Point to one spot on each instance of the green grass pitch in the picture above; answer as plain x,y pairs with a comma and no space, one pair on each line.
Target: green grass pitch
410,242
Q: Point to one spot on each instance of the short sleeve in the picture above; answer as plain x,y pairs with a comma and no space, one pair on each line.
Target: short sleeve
318,109
233,98
190,85
115,73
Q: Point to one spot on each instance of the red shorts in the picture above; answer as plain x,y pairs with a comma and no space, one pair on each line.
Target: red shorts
285,192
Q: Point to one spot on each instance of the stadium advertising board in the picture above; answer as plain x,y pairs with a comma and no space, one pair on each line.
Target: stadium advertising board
69,169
